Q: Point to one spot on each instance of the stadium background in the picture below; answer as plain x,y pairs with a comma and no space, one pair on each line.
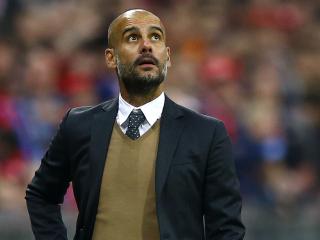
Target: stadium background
255,64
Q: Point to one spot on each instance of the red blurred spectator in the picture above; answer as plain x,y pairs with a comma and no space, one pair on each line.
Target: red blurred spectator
285,17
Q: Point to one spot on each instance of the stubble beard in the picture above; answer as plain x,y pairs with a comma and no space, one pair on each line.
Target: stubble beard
138,84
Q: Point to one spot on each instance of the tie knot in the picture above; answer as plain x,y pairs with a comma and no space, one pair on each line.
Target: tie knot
136,118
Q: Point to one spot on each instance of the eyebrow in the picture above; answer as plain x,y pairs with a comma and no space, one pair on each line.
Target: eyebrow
129,29
157,28
133,28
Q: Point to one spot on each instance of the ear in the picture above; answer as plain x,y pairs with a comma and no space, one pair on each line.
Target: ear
168,57
110,58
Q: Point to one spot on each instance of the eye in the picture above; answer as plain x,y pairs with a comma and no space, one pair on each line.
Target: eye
132,38
155,37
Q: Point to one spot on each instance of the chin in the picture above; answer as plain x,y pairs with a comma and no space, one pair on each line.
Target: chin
149,75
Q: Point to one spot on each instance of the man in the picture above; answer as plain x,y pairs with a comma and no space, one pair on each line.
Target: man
142,167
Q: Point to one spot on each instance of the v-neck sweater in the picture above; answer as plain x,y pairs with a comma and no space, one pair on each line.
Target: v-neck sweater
127,202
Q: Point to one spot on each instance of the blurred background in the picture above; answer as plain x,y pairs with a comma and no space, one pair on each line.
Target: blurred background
255,64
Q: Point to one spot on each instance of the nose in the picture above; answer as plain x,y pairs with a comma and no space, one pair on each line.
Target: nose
146,47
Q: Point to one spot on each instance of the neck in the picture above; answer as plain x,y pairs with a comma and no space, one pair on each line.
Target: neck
139,100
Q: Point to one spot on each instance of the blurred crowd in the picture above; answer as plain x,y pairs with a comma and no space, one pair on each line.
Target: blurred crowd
255,64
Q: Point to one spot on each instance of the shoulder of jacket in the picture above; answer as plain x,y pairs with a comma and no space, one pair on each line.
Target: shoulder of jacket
196,116
88,110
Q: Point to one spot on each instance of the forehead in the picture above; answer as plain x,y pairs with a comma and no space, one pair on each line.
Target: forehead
139,20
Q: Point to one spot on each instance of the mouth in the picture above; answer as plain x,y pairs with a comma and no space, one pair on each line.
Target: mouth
146,62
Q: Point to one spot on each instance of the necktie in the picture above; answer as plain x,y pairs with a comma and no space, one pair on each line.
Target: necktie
136,118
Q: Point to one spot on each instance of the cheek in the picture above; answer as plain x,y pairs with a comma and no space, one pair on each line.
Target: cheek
164,58
162,55
124,60
127,54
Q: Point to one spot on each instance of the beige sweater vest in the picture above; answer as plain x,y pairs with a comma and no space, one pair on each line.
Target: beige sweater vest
127,203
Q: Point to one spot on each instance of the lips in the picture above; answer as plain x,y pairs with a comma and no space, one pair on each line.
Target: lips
150,60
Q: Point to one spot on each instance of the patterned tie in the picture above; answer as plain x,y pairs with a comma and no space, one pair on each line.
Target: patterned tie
136,118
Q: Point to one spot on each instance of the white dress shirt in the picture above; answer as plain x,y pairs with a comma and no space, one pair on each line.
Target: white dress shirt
151,110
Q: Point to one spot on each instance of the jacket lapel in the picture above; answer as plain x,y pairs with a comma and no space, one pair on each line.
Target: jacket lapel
102,126
171,127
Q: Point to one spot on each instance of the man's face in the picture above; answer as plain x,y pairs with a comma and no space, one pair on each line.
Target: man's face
140,52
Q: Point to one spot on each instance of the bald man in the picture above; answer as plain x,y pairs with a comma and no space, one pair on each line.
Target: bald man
141,166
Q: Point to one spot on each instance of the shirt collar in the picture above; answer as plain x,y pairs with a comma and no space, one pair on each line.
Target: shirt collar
151,110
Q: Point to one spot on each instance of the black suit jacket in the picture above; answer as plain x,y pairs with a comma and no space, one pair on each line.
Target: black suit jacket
197,191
